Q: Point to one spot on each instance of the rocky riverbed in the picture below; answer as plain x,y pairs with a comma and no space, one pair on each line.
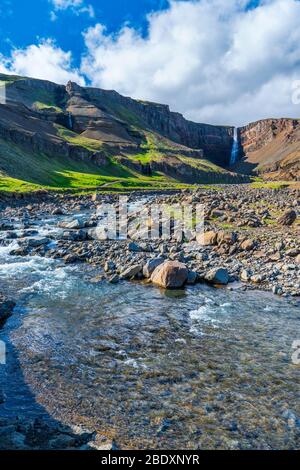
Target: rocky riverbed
61,270
251,236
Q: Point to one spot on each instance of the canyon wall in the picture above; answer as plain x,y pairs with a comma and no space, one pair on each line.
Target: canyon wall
272,147
36,109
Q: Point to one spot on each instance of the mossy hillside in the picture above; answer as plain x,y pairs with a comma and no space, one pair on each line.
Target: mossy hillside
77,139
24,171
38,105
156,147
271,184
44,99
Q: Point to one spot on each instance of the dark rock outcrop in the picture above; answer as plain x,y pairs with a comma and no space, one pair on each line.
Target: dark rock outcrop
288,218
6,309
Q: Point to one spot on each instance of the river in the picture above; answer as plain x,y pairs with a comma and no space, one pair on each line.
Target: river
202,368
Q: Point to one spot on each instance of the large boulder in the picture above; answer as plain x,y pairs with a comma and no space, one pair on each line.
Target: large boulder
170,275
216,213
74,235
134,247
288,218
151,265
217,276
192,278
57,211
35,242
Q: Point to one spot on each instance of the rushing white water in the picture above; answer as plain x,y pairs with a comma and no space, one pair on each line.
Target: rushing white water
235,148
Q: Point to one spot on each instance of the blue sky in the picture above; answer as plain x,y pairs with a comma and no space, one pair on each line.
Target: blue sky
23,22
216,61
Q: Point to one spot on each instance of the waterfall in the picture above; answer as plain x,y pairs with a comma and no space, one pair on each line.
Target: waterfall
235,148
70,121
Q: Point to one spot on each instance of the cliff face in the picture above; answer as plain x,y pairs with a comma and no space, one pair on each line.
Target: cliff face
93,124
99,126
23,129
215,141
259,134
271,147
114,119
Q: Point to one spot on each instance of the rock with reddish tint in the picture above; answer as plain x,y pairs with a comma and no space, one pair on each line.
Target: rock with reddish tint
226,237
207,238
248,245
170,275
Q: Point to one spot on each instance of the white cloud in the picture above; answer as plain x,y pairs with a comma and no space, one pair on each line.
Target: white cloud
213,60
64,4
45,61
77,6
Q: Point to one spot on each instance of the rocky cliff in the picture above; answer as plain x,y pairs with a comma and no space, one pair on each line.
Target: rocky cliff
272,148
215,141
114,119
95,125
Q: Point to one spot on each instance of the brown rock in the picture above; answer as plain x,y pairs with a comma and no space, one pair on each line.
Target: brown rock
288,218
275,257
170,274
293,253
245,275
207,238
226,237
247,245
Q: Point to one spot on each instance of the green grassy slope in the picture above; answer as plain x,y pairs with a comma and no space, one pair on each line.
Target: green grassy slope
156,147
24,171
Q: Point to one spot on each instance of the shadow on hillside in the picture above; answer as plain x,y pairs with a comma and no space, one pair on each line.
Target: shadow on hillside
244,167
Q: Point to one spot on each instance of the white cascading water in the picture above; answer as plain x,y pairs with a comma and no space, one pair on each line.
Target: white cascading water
235,148
70,121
